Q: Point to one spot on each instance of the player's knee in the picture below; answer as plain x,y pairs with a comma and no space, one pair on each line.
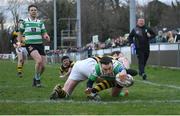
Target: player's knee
43,67
21,61
39,62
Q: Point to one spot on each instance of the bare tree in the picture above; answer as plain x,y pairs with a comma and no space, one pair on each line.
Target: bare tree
3,37
15,7
106,18
2,21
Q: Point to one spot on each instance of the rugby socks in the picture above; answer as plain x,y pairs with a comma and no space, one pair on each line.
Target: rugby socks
36,80
60,91
103,85
37,76
19,69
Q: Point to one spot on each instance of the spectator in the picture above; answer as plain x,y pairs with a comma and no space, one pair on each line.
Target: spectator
108,43
160,38
170,37
89,50
177,36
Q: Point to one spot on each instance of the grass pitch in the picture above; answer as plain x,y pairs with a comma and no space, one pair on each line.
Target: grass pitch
160,95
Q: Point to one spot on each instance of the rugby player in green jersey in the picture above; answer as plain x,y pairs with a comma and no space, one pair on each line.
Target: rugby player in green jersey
34,32
86,69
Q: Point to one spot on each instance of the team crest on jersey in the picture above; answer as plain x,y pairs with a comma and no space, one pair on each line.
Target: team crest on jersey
146,30
137,31
33,29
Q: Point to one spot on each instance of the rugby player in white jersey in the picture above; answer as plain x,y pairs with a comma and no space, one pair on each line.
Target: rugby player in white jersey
84,69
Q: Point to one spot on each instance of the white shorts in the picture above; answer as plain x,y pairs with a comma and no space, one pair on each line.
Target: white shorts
22,50
82,69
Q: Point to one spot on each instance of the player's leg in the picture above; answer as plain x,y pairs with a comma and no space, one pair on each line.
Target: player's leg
20,63
116,90
43,64
22,56
38,54
92,94
70,85
57,92
132,72
66,91
102,86
76,76
25,54
38,67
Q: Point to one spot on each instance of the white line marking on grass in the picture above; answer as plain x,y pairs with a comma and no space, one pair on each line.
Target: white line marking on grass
7,86
159,85
89,102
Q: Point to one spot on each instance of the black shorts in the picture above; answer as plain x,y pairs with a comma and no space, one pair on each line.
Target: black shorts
38,47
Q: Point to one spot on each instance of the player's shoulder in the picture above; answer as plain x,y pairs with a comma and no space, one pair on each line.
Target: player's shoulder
117,63
62,69
38,20
26,19
72,63
98,70
15,33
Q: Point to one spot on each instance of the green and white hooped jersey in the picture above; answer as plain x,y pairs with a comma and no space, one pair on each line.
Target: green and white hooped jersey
33,30
117,67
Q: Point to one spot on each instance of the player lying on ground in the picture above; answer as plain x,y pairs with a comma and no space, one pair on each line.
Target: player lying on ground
108,70
117,55
67,64
82,70
116,83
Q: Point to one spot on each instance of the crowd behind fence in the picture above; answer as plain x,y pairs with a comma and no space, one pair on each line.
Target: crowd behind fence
162,54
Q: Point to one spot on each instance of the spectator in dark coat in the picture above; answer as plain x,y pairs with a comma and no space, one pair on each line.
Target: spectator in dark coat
140,37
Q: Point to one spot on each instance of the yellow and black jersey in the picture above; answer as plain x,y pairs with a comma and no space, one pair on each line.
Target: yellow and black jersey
14,38
22,41
64,70
98,58
114,58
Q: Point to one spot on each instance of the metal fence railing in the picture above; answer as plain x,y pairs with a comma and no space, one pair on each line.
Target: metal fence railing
162,54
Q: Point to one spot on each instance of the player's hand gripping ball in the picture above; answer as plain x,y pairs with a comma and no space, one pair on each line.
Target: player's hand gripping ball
124,80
